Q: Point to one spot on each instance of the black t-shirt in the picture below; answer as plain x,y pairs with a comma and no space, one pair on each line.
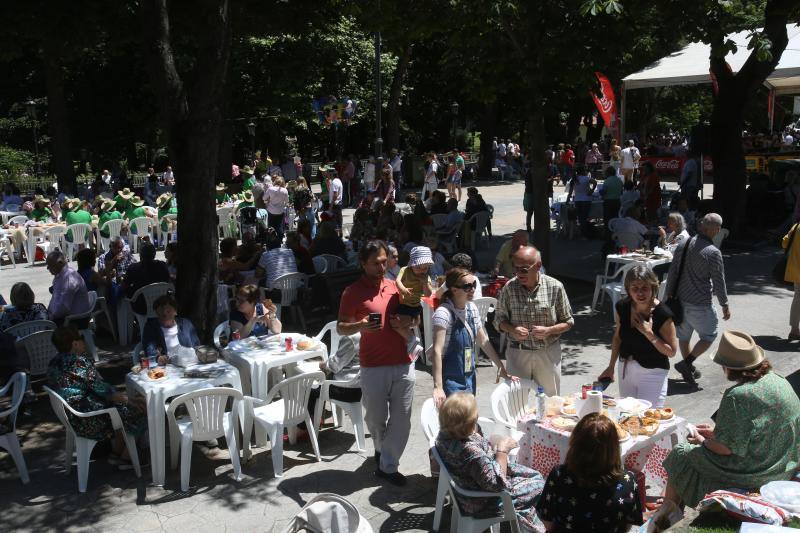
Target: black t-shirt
634,344
609,509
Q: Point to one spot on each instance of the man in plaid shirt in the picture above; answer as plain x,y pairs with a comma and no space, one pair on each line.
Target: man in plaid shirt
533,310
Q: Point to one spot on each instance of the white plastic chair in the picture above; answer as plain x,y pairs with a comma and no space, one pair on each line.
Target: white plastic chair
164,236
207,420
9,441
273,416
481,220
40,349
7,247
81,236
289,284
335,337
484,305
320,265
23,329
19,219
139,228
509,401
224,215
150,293
114,228
84,445
334,262
88,333
612,285
338,408
427,330
468,524
347,227
51,239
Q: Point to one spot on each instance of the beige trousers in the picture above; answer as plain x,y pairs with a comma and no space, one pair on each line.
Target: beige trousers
543,366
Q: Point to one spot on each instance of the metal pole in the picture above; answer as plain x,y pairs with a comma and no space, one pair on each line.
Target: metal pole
378,128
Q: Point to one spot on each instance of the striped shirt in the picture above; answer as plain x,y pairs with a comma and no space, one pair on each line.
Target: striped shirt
703,273
276,263
544,305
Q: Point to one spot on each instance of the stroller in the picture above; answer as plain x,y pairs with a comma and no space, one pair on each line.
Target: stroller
328,513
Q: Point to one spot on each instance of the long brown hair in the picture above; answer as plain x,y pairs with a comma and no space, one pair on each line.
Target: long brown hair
451,278
594,454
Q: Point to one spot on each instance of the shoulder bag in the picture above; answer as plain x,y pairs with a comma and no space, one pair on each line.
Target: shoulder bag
779,270
673,302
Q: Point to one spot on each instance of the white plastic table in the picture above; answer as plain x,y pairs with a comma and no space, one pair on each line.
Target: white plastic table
634,257
543,447
254,365
156,392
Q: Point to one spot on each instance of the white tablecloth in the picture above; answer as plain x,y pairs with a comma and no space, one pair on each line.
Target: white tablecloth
157,392
254,365
544,447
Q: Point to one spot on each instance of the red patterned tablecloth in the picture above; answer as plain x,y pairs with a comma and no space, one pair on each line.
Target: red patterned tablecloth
544,447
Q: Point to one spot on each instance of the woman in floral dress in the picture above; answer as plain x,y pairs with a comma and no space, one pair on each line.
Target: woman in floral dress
73,376
473,465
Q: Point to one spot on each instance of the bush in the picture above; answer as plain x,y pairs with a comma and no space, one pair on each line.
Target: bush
14,162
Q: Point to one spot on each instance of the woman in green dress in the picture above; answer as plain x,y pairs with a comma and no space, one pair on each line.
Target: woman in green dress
756,438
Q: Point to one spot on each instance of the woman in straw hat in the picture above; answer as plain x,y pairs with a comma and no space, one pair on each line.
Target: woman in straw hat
249,178
756,438
123,198
164,205
135,208
41,209
222,196
107,212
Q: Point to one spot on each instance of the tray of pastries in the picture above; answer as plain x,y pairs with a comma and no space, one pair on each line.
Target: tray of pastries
663,414
639,425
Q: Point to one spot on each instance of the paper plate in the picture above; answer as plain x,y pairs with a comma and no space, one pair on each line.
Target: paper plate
784,494
633,405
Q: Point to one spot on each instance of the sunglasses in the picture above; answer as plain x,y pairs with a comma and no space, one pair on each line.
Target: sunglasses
523,270
466,287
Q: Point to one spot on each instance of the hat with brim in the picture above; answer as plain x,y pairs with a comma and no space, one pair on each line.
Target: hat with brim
137,202
738,351
125,194
246,170
221,187
107,205
39,199
71,203
247,196
164,199
324,168
420,256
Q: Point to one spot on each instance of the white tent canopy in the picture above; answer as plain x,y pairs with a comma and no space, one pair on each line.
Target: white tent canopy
691,64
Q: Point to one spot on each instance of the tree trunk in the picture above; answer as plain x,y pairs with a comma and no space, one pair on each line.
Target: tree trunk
393,105
58,116
538,169
488,128
192,114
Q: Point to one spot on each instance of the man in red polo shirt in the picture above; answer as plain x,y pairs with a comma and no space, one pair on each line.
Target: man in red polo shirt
387,370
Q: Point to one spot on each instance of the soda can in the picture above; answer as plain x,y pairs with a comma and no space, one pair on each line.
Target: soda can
144,362
289,347
584,389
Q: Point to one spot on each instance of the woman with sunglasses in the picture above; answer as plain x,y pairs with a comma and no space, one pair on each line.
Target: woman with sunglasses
457,333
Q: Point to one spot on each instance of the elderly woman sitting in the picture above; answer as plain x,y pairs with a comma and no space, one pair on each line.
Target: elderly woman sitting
473,465
166,333
73,376
22,308
677,232
756,438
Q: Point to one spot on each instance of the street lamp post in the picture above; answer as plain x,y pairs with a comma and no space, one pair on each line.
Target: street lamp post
454,111
251,130
30,108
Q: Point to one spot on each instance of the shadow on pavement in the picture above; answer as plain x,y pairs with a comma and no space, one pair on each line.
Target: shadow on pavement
773,343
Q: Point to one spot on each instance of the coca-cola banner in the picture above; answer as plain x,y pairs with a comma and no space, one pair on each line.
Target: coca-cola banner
605,102
673,166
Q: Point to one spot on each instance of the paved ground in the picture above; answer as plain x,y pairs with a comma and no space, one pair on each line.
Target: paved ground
117,501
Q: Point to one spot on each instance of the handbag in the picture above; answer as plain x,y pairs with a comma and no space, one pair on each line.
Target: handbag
779,270
673,302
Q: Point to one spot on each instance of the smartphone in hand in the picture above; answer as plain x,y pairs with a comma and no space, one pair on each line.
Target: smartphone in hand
375,318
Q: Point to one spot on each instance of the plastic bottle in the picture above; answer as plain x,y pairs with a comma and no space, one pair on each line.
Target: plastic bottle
541,398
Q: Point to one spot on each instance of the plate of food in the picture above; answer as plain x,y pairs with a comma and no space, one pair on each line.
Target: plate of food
157,373
306,344
639,425
563,423
608,401
633,405
662,415
569,410
622,434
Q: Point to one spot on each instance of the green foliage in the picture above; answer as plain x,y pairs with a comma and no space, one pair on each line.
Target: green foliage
14,161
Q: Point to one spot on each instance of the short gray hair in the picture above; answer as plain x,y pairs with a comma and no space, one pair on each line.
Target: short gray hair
56,256
117,238
680,222
711,220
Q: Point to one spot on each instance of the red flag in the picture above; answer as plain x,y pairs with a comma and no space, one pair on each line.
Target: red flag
605,102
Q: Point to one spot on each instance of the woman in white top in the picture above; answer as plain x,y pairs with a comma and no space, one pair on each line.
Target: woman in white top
369,174
392,268
677,232
431,180
276,197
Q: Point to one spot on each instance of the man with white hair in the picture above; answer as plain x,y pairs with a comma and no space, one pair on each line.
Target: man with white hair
701,276
69,290
630,160
533,310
